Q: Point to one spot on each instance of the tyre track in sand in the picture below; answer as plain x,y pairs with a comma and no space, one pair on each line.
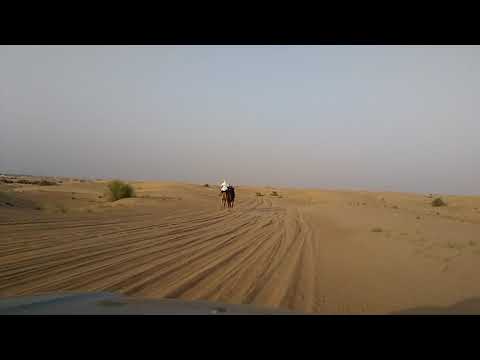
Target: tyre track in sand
260,253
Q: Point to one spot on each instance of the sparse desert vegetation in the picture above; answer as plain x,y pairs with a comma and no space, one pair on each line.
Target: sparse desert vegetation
438,202
42,182
46,183
6,199
24,181
119,190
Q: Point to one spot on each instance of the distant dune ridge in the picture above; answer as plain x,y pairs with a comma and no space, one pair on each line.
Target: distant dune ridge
314,251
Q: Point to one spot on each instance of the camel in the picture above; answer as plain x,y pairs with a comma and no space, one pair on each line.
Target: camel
228,197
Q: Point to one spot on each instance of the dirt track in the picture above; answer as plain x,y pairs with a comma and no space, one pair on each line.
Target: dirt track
308,251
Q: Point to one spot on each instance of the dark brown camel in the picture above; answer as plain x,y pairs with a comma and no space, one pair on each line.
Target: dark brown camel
228,198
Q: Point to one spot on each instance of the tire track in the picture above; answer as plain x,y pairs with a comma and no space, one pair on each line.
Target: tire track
256,252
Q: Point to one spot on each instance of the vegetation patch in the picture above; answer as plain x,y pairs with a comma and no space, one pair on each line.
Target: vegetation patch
46,183
438,202
119,190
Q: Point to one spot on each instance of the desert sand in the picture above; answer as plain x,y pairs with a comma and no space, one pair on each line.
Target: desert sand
314,251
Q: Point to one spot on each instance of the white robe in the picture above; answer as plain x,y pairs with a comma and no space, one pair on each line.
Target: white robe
224,186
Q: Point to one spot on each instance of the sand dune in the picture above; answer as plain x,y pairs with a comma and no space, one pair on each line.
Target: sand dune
307,250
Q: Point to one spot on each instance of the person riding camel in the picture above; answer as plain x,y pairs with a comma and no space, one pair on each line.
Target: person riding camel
224,186
227,192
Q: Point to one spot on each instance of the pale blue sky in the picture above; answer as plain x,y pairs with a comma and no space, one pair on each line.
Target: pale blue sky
401,118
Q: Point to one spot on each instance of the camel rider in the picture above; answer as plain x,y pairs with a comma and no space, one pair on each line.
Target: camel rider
224,186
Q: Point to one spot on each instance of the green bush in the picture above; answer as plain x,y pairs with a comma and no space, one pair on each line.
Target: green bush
119,190
438,202
46,183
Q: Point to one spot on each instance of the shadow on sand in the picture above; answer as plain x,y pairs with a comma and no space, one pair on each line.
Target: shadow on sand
465,307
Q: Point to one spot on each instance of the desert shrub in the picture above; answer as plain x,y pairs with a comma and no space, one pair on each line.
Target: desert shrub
36,182
119,190
274,193
46,183
206,185
438,202
377,229
6,198
259,194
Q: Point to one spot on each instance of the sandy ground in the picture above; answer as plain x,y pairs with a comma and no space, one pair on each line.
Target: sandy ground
307,250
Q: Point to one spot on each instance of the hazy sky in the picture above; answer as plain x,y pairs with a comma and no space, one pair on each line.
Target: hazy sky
401,118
